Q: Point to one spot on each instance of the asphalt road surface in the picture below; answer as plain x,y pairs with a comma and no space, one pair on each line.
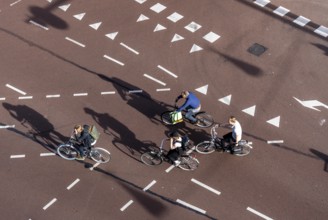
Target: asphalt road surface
119,64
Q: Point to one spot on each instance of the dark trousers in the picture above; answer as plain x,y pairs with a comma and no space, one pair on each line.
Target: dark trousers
228,141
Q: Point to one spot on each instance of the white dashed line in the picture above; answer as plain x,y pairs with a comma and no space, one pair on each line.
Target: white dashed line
205,186
47,154
80,94
126,205
258,213
17,156
107,93
25,97
14,3
129,48
275,142
167,71
38,25
7,126
164,89
149,185
191,206
49,204
154,79
114,60
135,91
301,21
2,98
94,166
15,89
170,168
53,96
73,184
75,42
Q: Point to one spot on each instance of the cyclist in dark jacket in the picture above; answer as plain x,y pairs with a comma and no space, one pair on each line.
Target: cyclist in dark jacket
192,105
82,138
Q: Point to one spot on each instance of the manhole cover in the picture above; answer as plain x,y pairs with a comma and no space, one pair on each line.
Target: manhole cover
257,49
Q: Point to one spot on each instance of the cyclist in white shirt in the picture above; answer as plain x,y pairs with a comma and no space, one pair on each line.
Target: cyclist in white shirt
231,139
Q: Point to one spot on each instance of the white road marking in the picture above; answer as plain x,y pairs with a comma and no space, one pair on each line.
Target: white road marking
3,98
80,94
258,213
15,89
129,48
126,205
191,206
142,18
281,11
47,154
17,156
203,89
158,8
14,3
75,42
275,142
206,186
164,89
170,168
211,37
39,25
95,25
94,166
53,96
149,185
154,79
50,203
322,30
301,21
167,71
112,59
25,97
73,184
135,91
262,3
107,93
275,121
7,126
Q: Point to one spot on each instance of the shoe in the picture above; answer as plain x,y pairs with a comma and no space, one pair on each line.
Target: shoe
80,158
177,163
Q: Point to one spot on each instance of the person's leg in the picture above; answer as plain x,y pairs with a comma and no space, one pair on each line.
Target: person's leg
190,115
227,140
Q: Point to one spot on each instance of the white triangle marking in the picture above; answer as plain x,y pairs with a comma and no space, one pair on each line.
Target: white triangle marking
226,100
64,7
275,121
79,16
159,28
95,25
202,89
112,35
250,110
195,48
142,18
177,37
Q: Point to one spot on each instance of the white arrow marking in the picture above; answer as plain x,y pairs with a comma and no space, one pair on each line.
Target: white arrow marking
202,89
112,35
250,110
95,25
226,100
275,121
311,104
79,16
159,28
195,48
177,37
142,18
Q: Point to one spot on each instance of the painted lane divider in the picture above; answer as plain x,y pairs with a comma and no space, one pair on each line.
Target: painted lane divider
136,91
14,3
164,89
75,42
259,214
80,94
107,93
275,142
149,185
126,205
167,71
50,203
94,166
47,154
15,89
191,206
17,156
73,184
154,79
38,25
7,126
129,48
114,60
205,186
53,96
25,97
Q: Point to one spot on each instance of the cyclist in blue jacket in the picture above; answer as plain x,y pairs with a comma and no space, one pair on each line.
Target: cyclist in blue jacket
192,105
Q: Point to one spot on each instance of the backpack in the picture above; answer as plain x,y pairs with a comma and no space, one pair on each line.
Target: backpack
94,132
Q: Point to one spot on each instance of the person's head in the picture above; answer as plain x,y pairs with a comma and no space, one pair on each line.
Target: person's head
174,134
184,94
232,120
78,128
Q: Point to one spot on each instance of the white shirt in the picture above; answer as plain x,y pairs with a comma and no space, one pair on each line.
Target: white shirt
236,130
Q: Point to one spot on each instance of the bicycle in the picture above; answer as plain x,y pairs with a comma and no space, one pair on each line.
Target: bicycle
204,119
69,152
215,144
156,157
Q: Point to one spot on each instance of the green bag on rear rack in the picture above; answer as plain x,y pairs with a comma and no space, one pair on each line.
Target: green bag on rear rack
176,117
94,132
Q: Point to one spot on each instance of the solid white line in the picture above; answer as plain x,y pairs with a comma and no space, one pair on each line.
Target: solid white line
135,91
74,41
149,185
7,126
17,90
191,206
107,93
126,205
50,203
164,89
167,71
259,214
80,94
53,96
17,156
47,154
129,48
94,166
25,97
73,184
154,79
275,142
206,187
112,59
3,98
170,168
14,3
38,25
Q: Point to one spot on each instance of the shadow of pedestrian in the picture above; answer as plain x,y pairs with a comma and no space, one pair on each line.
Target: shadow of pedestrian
44,16
321,156
39,128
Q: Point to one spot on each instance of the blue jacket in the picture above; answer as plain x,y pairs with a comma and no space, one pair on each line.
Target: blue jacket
191,102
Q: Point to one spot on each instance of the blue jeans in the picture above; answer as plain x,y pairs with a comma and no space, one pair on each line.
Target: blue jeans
190,114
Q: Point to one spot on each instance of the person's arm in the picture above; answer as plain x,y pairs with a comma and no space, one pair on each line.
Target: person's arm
184,106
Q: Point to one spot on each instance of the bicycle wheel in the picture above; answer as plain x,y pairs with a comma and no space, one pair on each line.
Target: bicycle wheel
243,151
151,159
204,120
188,163
166,118
99,155
205,147
67,152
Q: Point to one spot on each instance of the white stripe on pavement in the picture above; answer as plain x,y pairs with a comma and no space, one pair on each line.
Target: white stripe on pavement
259,214
73,184
206,186
149,185
126,205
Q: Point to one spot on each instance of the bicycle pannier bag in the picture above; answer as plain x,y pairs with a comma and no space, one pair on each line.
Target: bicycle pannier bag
94,132
176,117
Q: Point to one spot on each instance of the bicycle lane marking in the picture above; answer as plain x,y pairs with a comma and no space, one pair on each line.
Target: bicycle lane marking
205,186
